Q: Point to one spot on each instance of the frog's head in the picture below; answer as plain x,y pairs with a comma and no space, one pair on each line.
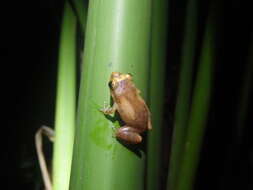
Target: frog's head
116,78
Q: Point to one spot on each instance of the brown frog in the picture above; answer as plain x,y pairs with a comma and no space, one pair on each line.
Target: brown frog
130,106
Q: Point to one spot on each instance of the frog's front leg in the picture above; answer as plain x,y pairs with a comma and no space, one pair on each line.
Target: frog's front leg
129,134
109,110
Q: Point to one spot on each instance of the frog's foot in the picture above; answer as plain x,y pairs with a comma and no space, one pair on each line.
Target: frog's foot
107,109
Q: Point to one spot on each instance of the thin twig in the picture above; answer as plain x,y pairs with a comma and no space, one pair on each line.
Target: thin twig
39,148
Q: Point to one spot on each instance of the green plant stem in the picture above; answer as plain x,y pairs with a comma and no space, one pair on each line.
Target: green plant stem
158,58
184,94
65,103
117,39
199,113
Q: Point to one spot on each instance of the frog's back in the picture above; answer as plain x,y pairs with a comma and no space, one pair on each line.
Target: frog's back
134,111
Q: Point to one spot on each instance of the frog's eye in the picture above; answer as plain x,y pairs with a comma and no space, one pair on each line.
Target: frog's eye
110,85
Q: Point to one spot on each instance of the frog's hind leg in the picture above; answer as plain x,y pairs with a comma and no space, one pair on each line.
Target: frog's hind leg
129,135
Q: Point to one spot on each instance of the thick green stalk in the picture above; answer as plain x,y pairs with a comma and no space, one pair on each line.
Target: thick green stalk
184,94
158,58
198,115
65,103
117,39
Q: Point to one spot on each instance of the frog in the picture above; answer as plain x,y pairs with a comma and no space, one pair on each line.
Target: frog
131,107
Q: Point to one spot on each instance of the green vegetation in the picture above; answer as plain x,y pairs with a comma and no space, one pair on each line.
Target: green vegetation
117,39
133,37
66,103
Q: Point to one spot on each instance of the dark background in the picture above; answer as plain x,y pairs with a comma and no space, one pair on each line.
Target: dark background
30,51
29,66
